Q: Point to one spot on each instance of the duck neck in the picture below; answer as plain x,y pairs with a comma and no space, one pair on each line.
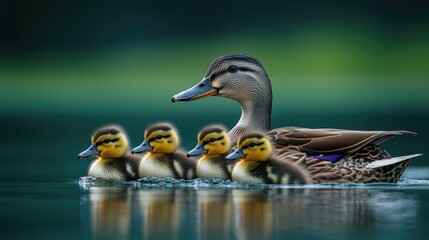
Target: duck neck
255,114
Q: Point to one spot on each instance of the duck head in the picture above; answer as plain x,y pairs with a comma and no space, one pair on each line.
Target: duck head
107,142
232,76
243,79
252,146
159,138
212,140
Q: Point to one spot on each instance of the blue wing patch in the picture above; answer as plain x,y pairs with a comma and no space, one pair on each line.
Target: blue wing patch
333,158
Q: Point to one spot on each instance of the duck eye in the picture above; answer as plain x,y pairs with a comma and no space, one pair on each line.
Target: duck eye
212,139
106,140
252,144
232,69
159,136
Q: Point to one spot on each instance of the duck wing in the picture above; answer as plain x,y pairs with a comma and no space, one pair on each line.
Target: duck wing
329,141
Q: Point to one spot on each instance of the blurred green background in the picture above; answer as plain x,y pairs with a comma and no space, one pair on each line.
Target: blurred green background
67,68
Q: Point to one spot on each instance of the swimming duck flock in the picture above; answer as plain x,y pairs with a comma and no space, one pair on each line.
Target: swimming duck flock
251,151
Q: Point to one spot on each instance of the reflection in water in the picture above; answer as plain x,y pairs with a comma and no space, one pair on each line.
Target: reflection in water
340,208
253,215
401,209
360,209
214,213
160,210
110,211
231,213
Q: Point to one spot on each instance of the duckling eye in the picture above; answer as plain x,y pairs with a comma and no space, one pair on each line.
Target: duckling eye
212,139
252,144
232,69
106,140
159,136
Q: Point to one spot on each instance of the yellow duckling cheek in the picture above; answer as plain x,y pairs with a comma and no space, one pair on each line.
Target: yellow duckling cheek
119,150
156,146
249,153
217,148
257,154
253,155
210,149
112,151
170,147
164,146
224,147
104,152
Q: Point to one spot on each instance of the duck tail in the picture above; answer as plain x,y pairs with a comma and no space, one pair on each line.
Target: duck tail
391,161
389,134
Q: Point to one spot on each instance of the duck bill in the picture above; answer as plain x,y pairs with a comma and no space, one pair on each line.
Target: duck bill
91,151
199,149
145,146
236,154
202,89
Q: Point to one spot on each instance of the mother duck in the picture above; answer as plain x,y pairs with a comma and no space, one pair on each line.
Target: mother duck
329,155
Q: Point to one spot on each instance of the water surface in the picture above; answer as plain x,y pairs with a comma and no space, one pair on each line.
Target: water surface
211,209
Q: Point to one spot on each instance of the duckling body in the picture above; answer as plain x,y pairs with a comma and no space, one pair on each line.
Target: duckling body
346,155
115,162
214,167
125,168
214,146
257,165
164,160
174,165
273,171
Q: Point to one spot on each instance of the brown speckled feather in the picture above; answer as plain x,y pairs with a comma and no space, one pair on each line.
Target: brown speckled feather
322,141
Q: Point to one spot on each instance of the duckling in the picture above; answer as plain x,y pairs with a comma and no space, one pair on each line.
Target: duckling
345,154
214,145
257,165
115,162
164,160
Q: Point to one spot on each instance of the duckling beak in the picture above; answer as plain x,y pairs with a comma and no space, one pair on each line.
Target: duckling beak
145,146
91,151
236,154
202,89
199,149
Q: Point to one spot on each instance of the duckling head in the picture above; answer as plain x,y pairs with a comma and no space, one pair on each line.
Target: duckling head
107,142
159,138
233,76
212,140
252,146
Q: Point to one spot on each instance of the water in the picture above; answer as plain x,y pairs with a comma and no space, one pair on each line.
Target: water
212,209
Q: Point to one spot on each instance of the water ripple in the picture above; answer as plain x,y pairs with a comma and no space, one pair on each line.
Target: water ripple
201,183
